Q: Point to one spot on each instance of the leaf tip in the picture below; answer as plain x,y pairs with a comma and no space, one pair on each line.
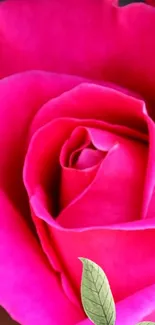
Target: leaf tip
82,259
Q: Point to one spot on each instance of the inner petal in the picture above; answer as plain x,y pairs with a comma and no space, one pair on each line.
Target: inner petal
116,192
79,161
88,158
80,158
78,140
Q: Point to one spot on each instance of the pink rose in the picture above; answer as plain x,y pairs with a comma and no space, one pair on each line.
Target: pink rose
77,167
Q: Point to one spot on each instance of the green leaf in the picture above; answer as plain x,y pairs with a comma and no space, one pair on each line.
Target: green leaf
96,295
146,323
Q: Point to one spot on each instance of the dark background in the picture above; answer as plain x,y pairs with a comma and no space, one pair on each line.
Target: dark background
4,317
125,2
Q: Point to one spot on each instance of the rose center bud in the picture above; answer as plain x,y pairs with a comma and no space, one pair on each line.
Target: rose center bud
86,176
79,160
101,179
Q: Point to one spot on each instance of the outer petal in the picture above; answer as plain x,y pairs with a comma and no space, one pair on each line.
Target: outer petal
112,106
23,289
47,35
137,308
29,290
21,96
100,47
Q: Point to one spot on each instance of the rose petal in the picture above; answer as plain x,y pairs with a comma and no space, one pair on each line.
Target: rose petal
128,252
137,308
77,141
72,180
151,208
120,246
73,183
29,290
101,46
18,108
110,106
150,176
88,158
42,179
37,35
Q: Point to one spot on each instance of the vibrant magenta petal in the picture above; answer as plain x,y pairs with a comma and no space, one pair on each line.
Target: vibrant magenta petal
151,208
137,308
88,158
120,247
18,107
77,141
77,172
73,183
17,110
111,106
47,35
86,321
140,19
29,290
148,204
42,178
